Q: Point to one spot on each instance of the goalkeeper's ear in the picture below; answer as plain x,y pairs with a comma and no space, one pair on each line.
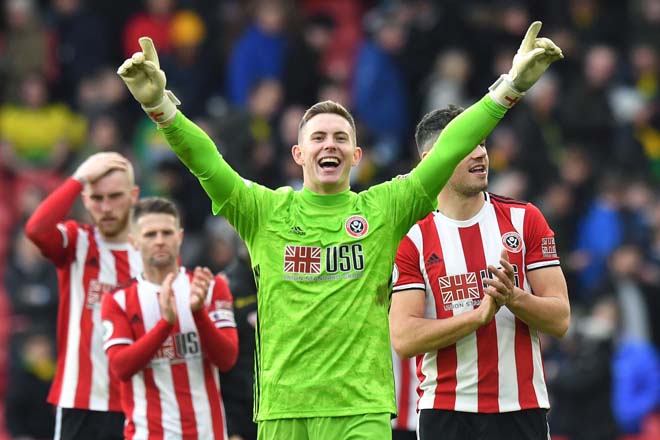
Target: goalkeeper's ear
297,153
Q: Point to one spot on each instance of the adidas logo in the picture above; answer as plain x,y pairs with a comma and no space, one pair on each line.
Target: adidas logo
433,259
135,319
296,230
93,262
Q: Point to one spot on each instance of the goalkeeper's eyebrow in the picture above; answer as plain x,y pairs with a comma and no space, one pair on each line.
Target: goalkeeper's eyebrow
334,133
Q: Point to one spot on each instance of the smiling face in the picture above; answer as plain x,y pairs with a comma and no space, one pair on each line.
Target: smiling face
326,151
471,174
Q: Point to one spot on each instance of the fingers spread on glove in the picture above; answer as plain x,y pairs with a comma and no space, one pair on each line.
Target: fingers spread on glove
528,42
149,50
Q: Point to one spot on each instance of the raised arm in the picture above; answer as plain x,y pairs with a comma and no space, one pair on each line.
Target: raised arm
146,82
41,228
472,126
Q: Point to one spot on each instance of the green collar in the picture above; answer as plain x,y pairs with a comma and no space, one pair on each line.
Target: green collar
313,198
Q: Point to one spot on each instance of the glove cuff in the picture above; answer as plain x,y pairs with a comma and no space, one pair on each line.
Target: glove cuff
504,93
164,112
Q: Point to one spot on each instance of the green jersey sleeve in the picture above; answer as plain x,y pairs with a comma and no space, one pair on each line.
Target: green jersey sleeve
224,186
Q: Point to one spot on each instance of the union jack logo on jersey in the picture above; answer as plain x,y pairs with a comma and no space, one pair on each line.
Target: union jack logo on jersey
459,287
302,259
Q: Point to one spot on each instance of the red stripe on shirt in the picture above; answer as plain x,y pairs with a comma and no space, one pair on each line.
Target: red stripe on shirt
183,395
525,367
86,329
154,410
213,393
487,354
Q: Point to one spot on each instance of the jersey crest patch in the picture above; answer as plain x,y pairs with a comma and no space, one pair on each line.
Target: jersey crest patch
356,226
512,242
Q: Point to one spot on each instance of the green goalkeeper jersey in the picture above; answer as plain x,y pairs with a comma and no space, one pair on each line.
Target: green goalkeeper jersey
322,264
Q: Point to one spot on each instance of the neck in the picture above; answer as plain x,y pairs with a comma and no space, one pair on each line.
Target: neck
320,189
120,238
459,206
157,275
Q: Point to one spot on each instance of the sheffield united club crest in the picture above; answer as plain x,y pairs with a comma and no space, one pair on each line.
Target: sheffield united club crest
356,226
512,242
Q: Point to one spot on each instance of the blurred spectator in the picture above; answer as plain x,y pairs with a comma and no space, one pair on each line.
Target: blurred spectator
247,137
339,59
260,51
598,234
81,45
636,363
28,415
31,282
40,134
104,94
153,22
105,135
447,83
540,135
235,383
288,136
27,47
636,392
586,114
302,67
380,98
188,66
578,371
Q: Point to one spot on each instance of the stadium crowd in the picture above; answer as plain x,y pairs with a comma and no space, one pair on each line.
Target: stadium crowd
583,145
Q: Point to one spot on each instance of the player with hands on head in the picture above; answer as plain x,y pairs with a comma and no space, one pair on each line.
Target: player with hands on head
474,284
168,333
322,256
91,260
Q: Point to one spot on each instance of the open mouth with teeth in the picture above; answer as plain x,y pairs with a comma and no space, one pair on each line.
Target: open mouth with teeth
329,162
478,169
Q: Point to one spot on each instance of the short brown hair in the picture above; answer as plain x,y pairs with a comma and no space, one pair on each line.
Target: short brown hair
327,107
155,205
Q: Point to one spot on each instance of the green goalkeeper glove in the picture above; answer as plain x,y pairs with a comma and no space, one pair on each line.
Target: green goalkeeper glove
532,59
146,82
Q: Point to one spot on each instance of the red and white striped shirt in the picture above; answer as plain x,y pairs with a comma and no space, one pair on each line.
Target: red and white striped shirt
87,267
405,384
498,368
177,394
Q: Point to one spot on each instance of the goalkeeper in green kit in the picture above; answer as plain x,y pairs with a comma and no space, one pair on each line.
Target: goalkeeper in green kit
322,257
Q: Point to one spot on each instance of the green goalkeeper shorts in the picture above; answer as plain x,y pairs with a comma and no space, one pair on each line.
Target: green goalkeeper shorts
360,427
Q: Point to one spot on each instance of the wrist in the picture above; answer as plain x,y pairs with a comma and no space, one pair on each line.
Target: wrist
164,111
504,93
516,295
